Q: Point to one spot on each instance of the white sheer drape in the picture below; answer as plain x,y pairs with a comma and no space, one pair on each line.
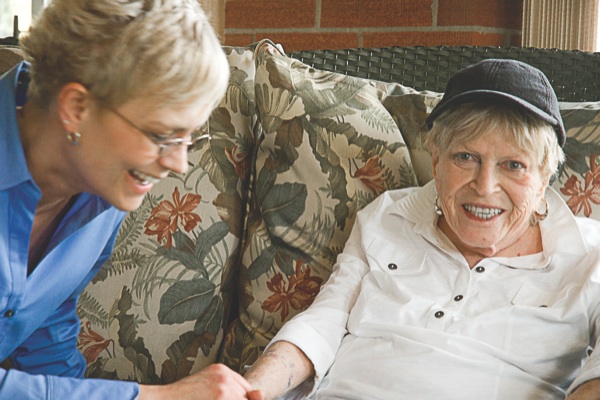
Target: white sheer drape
560,24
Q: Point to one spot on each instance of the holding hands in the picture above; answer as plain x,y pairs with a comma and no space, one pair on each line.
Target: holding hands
215,382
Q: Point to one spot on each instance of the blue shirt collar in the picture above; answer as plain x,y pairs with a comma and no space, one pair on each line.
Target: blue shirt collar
12,157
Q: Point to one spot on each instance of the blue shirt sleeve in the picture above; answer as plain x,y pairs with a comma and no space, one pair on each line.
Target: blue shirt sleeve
23,386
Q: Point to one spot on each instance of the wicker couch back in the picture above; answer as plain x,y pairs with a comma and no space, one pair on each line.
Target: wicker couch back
575,75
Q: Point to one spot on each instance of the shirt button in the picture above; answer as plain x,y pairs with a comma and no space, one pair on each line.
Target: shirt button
439,314
458,297
9,313
392,266
479,269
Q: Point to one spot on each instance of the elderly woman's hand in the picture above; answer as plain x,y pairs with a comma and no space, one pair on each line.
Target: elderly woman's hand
215,382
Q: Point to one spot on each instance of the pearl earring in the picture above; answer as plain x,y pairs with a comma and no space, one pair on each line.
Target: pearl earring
72,137
436,207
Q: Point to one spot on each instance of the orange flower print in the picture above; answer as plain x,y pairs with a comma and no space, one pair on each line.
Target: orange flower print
582,197
239,159
167,216
299,293
370,175
92,343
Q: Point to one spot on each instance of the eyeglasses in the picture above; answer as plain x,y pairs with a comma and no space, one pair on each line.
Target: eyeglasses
165,144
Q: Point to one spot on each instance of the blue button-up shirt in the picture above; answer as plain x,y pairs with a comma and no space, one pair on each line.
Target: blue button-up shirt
38,323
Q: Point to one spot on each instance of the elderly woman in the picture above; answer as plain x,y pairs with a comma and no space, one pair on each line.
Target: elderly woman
479,285
108,103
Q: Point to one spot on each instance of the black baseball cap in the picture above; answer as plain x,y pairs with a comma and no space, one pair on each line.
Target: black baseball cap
506,80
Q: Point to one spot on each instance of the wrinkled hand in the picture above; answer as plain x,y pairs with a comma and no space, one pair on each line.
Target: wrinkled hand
215,382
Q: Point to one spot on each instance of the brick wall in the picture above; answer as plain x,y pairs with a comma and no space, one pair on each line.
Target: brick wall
320,24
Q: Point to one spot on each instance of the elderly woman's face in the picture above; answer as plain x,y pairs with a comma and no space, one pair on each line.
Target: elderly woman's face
488,190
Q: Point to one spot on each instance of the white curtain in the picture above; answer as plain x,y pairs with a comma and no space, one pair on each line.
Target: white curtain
560,24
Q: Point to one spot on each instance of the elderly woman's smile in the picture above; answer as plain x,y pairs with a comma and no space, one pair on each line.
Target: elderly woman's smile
488,190
482,212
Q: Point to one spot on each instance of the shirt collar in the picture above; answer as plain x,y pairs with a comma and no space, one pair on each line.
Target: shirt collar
560,232
12,157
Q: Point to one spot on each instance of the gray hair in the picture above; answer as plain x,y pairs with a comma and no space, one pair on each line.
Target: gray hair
121,50
470,121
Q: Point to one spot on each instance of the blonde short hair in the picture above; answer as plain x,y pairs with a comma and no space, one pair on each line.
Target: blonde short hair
471,121
121,50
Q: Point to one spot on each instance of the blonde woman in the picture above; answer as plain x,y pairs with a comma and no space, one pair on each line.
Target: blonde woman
107,103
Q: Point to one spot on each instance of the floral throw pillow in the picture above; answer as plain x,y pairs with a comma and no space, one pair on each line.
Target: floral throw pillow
157,310
328,147
410,109
578,180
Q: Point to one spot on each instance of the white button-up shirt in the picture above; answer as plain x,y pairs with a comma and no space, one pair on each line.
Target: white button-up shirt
403,315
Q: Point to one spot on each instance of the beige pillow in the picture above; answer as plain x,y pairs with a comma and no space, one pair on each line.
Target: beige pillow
328,147
9,57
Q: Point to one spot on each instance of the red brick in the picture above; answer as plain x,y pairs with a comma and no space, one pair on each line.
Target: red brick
491,13
385,39
312,41
375,13
244,14
489,39
516,40
238,39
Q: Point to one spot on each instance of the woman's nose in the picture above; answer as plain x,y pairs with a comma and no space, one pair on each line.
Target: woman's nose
485,180
176,159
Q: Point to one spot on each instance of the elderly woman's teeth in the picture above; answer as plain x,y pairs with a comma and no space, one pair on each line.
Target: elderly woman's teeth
481,212
143,178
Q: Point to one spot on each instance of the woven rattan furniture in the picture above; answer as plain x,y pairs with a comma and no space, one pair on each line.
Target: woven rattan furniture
575,75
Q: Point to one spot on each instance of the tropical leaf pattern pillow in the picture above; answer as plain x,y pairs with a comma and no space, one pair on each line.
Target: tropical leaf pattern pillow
157,310
327,148
578,179
410,109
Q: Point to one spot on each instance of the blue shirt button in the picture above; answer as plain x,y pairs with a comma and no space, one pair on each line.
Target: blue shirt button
9,313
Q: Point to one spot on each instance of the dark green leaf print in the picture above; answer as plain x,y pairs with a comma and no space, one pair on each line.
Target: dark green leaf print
182,354
185,301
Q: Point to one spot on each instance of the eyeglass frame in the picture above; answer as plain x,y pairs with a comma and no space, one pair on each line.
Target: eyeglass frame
166,144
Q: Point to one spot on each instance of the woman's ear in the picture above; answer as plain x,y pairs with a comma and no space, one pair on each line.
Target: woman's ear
73,102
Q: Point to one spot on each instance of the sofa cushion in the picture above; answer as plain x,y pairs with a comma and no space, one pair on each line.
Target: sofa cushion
328,147
410,108
9,57
578,180
157,310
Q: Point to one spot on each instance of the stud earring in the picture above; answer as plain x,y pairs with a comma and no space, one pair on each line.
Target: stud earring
436,206
74,138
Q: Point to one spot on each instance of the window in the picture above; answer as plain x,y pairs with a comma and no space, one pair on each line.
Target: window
23,9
